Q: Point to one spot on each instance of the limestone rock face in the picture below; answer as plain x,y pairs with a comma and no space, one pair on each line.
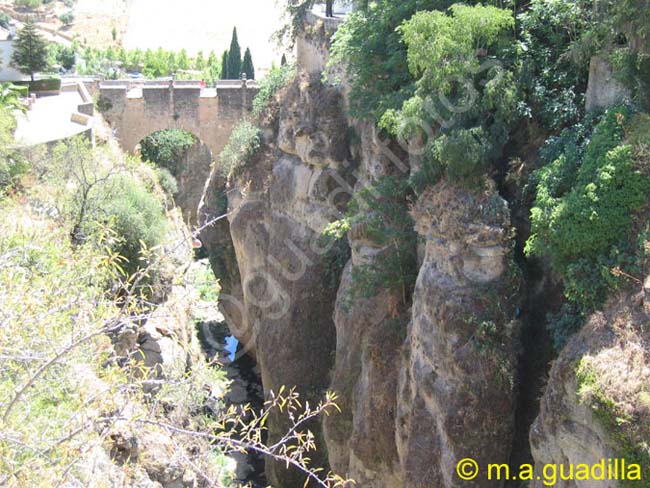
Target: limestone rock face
193,171
596,404
458,373
369,337
604,90
281,284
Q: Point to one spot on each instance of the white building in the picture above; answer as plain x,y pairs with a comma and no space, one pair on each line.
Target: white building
7,73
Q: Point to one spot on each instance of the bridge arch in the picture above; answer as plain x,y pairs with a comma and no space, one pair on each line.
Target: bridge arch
190,165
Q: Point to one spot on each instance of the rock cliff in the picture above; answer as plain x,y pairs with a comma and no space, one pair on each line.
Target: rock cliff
415,374
596,405
427,371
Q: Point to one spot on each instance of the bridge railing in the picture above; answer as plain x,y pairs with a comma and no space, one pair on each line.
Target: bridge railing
176,83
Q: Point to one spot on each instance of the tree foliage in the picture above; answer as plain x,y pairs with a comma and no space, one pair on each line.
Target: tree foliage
270,84
12,164
93,192
243,144
152,64
463,91
224,66
587,199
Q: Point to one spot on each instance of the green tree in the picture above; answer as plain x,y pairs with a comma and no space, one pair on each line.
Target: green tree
224,65
234,57
183,60
442,48
12,164
65,56
67,18
247,65
199,62
10,97
30,51
589,199
4,20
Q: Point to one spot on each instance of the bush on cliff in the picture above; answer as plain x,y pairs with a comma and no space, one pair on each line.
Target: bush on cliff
276,79
243,144
586,216
12,164
93,193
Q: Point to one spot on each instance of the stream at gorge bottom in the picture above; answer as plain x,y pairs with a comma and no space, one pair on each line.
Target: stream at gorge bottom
245,388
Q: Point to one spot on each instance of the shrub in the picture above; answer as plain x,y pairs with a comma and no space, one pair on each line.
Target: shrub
166,148
206,282
45,85
269,86
29,3
554,80
242,145
633,69
102,103
65,56
382,212
67,18
167,181
136,217
629,434
12,164
92,192
586,204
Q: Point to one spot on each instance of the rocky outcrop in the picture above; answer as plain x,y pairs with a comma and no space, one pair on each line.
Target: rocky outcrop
459,372
604,89
596,405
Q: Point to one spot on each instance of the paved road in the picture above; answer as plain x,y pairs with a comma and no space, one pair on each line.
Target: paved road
49,120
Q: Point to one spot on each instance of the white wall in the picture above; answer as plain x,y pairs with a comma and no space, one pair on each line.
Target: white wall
7,73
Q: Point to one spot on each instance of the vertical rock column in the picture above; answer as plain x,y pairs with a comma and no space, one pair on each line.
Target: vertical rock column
457,385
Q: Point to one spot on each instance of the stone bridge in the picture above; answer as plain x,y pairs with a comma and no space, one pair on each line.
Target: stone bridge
136,109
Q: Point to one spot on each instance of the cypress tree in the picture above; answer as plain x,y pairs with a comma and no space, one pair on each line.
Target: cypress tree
224,65
30,51
247,65
234,57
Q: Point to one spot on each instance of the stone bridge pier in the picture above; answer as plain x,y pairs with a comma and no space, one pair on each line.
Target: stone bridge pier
137,109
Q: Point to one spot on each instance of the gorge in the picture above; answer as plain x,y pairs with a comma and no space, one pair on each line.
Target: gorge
414,254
